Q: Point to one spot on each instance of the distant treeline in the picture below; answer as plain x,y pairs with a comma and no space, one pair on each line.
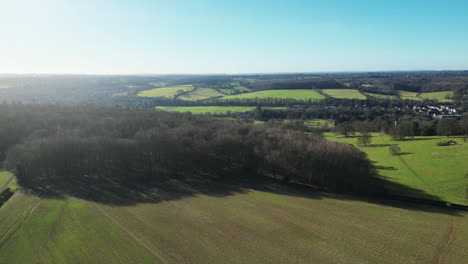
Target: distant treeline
49,145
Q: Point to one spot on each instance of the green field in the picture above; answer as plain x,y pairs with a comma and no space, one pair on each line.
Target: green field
437,170
6,180
283,94
168,92
200,94
408,95
440,96
212,109
382,96
319,123
344,93
277,225
235,88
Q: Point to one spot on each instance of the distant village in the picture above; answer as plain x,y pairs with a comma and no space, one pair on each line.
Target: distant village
438,111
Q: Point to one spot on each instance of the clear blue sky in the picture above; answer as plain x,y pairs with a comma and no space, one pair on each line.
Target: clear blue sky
238,36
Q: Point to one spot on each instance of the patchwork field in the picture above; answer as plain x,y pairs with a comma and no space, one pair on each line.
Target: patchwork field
437,170
168,92
200,94
212,109
249,226
383,96
440,96
344,93
283,94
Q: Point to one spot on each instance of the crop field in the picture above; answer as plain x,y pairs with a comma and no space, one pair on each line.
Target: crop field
283,94
212,109
278,224
200,94
344,93
168,92
408,95
438,170
440,96
383,96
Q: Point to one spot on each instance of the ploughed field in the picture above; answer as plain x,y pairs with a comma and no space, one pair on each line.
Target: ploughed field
258,225
437,170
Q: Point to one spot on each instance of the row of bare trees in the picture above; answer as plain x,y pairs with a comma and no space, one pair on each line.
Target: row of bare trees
47,144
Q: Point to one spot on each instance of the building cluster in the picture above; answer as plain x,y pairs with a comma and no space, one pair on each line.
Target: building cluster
438,111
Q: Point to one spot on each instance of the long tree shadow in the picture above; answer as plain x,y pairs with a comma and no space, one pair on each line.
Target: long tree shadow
403,153
118,193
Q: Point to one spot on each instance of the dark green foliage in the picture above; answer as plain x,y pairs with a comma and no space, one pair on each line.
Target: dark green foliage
448,127
394,149
364,139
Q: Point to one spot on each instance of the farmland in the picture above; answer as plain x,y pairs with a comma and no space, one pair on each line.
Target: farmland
404,95
167,92
282,94
253,225
200,94
439,96
212,109
437,170
344,93
382,96
234,88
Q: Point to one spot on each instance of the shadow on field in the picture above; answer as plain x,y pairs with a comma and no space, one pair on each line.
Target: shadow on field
380,145
125,194
403,153
385,168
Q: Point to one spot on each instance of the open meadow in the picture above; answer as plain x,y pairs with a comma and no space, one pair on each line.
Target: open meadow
438,170
382,96
344,93
439,96
200,94
267,224
212,109
301,94
404,95
167,92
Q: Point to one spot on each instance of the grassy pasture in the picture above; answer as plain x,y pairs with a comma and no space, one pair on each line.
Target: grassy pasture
344,93
437,170
440,96
200,94
168,92
408,95
253,226
6,180
301,94
382,96
319,123
212,109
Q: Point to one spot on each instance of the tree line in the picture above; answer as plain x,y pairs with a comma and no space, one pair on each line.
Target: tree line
49,145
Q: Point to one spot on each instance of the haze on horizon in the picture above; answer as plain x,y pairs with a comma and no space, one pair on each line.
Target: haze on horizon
207,36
